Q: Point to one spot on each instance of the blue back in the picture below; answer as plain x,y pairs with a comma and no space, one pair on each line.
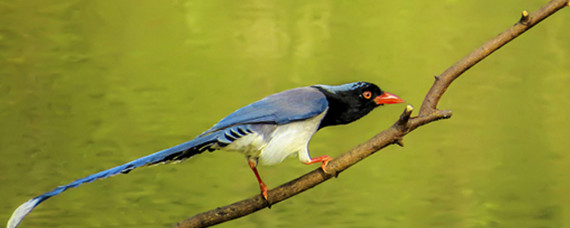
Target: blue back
280,108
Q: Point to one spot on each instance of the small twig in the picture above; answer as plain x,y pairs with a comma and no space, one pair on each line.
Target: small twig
446,78
524,17
404,117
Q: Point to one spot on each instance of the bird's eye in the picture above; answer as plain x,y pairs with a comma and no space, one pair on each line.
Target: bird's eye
367,94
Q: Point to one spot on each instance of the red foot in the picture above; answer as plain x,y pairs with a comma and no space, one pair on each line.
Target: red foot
325,159
264,189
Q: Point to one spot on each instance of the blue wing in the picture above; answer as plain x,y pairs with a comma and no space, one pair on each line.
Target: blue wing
280,108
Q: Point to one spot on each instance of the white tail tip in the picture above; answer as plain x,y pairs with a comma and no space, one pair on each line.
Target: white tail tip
21,212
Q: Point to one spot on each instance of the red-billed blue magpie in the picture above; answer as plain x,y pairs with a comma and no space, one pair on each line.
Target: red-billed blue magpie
267,132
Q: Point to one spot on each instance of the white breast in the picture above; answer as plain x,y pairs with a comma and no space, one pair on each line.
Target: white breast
290,139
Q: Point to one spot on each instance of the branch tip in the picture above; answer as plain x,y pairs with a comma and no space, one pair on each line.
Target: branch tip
405,116
445,114
409,108
524,17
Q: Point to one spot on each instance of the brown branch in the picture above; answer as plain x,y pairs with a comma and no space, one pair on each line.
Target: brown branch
393,135
446,78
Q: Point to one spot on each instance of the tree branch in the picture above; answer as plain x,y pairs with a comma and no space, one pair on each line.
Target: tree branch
393,135
446,78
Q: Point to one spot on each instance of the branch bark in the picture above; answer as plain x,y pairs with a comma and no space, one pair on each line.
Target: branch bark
393,135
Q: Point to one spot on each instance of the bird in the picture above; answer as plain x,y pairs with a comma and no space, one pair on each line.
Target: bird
266,132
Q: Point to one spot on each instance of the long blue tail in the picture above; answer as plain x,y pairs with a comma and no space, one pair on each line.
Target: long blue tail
176,153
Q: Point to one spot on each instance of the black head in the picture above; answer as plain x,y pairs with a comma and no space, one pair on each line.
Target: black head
350,102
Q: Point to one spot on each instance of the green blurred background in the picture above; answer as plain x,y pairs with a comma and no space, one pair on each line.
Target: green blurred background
88,85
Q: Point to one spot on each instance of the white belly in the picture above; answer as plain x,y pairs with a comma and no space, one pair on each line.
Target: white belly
290,139
272,147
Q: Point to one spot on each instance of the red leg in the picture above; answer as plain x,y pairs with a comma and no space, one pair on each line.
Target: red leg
262,186
325,159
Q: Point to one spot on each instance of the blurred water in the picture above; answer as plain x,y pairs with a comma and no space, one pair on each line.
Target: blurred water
88,85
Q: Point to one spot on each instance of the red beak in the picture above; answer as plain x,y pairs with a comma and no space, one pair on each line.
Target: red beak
387,98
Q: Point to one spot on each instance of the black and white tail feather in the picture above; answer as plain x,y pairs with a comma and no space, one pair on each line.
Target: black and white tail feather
209,141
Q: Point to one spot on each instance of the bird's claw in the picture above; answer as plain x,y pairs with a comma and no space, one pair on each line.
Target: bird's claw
325,159
325,163
264,194
264,190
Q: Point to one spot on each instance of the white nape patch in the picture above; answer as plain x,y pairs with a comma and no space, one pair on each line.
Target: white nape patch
291,138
